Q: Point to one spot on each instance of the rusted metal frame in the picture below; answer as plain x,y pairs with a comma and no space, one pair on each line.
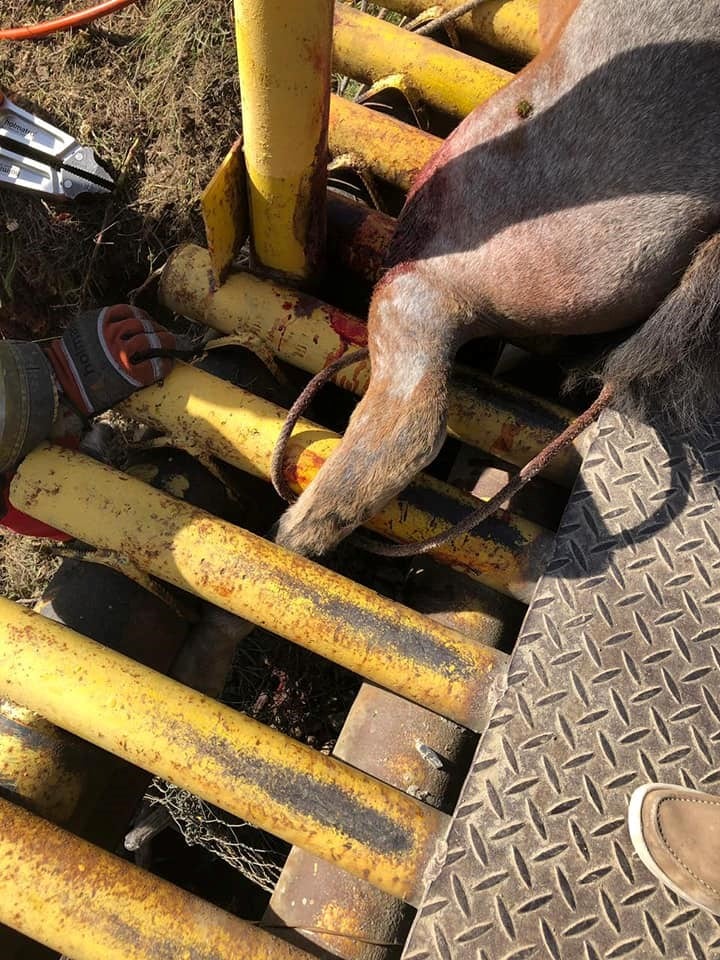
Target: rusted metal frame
507,554
413,105
309,334
226,217
410,749
63,778
340,165
301,795
255,579
368,49
52,773
357,235
38,763
508,25
55,774
284,58
90,905
428,21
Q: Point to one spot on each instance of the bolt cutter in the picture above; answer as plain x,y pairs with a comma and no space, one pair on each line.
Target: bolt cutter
39,158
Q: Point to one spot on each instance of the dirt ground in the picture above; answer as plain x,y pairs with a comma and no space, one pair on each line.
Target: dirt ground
153,89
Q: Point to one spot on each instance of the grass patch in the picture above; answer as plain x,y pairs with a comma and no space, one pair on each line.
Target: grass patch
377,10
26,565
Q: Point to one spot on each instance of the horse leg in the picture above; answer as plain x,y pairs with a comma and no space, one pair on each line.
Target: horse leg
671,366
399,425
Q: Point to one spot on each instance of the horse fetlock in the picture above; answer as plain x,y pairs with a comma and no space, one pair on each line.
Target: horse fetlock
314,525
388,441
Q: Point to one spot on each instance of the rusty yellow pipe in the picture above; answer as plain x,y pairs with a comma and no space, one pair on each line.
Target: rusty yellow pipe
392,150
368,49
38,763
192,407
45,768
303,331
285,787
508,25
79,900
284,54
252,578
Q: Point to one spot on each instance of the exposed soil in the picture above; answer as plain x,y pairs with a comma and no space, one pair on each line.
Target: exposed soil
153,89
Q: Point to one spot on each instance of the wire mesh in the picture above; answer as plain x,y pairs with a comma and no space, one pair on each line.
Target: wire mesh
254,853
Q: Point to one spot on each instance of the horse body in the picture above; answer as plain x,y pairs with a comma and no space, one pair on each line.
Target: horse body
571,202
582,215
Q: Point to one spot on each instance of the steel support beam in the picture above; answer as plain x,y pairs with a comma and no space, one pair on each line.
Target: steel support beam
79,900
303,331
45,769
282,786
368,49
508,25
38,763
252,578
284,54
206,413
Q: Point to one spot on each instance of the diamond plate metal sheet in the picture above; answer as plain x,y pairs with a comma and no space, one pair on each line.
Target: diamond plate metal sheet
615,681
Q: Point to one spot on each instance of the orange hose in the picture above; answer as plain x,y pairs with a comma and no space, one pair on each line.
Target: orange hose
78,19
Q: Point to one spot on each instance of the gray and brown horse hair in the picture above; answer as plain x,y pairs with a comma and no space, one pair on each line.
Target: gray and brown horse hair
582,198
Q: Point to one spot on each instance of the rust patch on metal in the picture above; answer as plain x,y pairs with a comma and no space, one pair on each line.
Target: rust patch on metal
534,415
114,907
306,796
301,468
392,150
418,646
358,237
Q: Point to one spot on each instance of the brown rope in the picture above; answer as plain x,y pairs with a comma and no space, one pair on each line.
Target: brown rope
472,520
277,474
491,506
446,18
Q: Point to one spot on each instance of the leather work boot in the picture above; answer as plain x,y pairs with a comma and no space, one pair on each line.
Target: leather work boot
676,834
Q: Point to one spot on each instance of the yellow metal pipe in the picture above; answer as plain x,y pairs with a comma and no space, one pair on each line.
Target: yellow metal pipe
79,900
299,794
284,54
260,581
393,151
303,331
51,772
368,49
508,25
195,408
39,763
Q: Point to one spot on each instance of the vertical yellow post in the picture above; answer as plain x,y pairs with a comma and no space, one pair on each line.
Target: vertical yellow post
284,56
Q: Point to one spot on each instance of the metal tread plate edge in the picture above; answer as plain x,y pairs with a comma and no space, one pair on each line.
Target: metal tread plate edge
614,682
